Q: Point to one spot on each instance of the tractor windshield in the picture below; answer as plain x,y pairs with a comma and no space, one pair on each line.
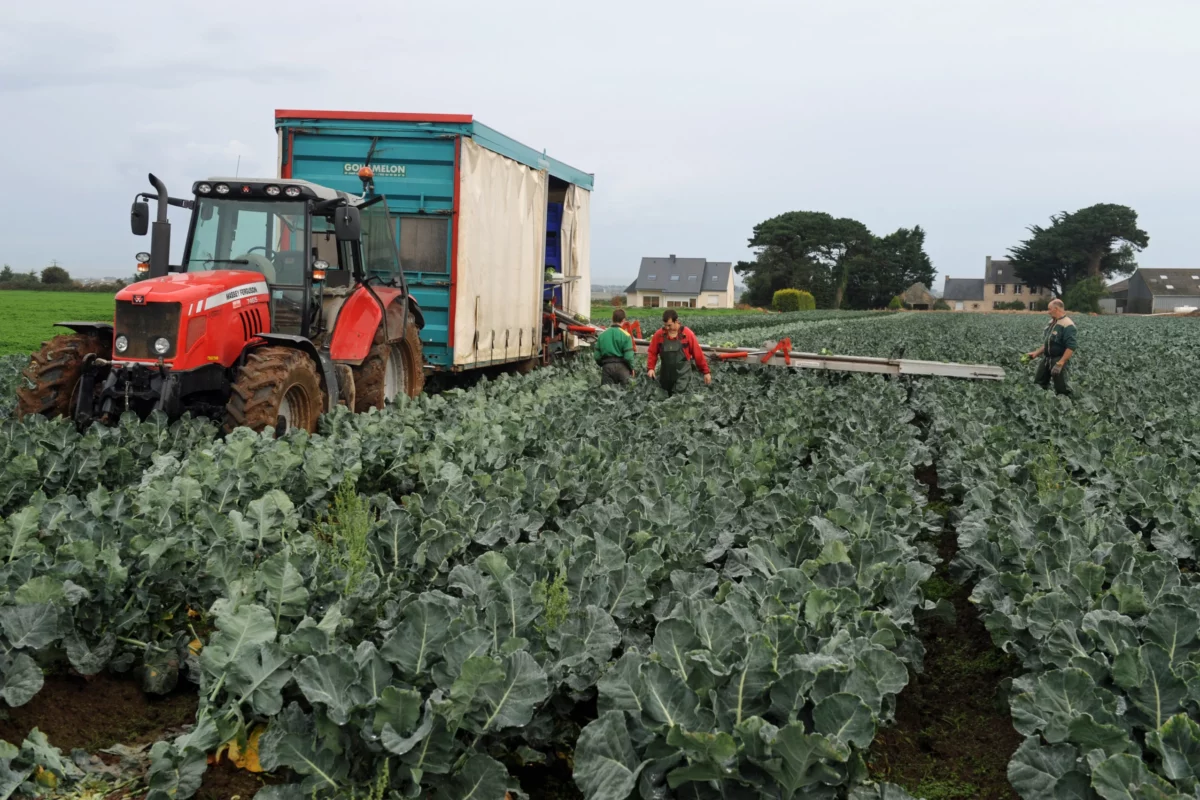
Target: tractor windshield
261,235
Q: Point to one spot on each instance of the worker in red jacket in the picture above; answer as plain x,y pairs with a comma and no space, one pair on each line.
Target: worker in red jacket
677,348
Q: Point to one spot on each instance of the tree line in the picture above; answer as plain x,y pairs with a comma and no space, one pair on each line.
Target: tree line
835,259
53,278
842,264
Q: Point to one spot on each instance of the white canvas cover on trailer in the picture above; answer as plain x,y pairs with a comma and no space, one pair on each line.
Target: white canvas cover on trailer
501,257
576,238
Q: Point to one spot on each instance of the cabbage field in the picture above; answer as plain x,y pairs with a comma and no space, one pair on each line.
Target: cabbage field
788,585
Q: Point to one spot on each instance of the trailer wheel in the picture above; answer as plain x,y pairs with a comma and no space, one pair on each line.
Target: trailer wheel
49,383
277,387
389,370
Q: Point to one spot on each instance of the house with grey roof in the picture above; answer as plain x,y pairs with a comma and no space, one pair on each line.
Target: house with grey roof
1001,285
1163,290
964,294
673,282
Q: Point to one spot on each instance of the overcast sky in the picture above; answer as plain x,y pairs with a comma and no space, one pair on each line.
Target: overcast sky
971,118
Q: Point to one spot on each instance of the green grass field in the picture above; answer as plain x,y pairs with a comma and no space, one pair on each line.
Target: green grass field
27,318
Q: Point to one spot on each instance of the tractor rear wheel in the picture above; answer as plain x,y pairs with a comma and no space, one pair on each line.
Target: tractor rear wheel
389,370
50,380
276,383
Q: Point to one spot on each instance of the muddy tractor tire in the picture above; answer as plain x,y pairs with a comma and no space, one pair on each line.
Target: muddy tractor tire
275,383
50,380
389,370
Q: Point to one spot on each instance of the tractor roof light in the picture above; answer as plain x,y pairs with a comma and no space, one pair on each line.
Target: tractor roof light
272,191
143,258
222,188
318,272
143,268
204,188
292,191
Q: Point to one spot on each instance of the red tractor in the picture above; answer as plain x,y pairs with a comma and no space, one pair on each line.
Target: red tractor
290,300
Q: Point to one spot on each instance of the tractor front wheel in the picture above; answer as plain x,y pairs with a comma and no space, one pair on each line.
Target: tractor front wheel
48,384
389,370
277,387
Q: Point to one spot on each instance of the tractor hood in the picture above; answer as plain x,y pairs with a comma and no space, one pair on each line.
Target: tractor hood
197,291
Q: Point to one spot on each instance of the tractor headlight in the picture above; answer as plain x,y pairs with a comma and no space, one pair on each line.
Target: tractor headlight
292,191
161,345
222,188
204,188
122,343
272,191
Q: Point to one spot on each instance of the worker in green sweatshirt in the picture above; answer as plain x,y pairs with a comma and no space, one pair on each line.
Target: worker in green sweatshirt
614,352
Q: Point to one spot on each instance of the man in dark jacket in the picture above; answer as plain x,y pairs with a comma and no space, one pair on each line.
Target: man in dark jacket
1058,345
614,352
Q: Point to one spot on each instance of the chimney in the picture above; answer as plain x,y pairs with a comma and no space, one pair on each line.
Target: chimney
672,258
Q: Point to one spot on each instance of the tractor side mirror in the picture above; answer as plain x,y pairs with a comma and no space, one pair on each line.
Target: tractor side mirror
139,217
347,222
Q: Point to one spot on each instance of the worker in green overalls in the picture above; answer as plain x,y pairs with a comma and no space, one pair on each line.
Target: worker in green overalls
1058,345
672,352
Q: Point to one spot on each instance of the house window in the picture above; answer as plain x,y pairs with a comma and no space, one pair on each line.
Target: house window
714,300
650,301
999,288
715,279
1164,277
693,277
674,277
1169,286
958,306
974,306
651,277
1196,277
1018,289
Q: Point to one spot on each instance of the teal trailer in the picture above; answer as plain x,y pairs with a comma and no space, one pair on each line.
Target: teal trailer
489,230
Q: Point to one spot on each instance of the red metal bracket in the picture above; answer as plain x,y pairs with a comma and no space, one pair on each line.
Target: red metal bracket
784,347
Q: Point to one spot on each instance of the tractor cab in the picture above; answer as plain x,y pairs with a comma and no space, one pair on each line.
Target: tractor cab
309,244
289,300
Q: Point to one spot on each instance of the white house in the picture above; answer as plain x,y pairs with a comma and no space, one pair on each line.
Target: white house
682,283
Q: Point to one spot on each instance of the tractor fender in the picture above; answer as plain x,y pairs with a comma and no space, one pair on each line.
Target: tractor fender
327,373
87,327
359,318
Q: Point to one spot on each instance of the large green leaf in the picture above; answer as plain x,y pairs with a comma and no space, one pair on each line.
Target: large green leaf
1177,743
20,679
846,719
420,634
481,778
87,658
605,765
332,682
1126,777
241,629
805,761
1059,698
32,626
259,676
1035,770
511,701
1147,677
291,741
666,699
